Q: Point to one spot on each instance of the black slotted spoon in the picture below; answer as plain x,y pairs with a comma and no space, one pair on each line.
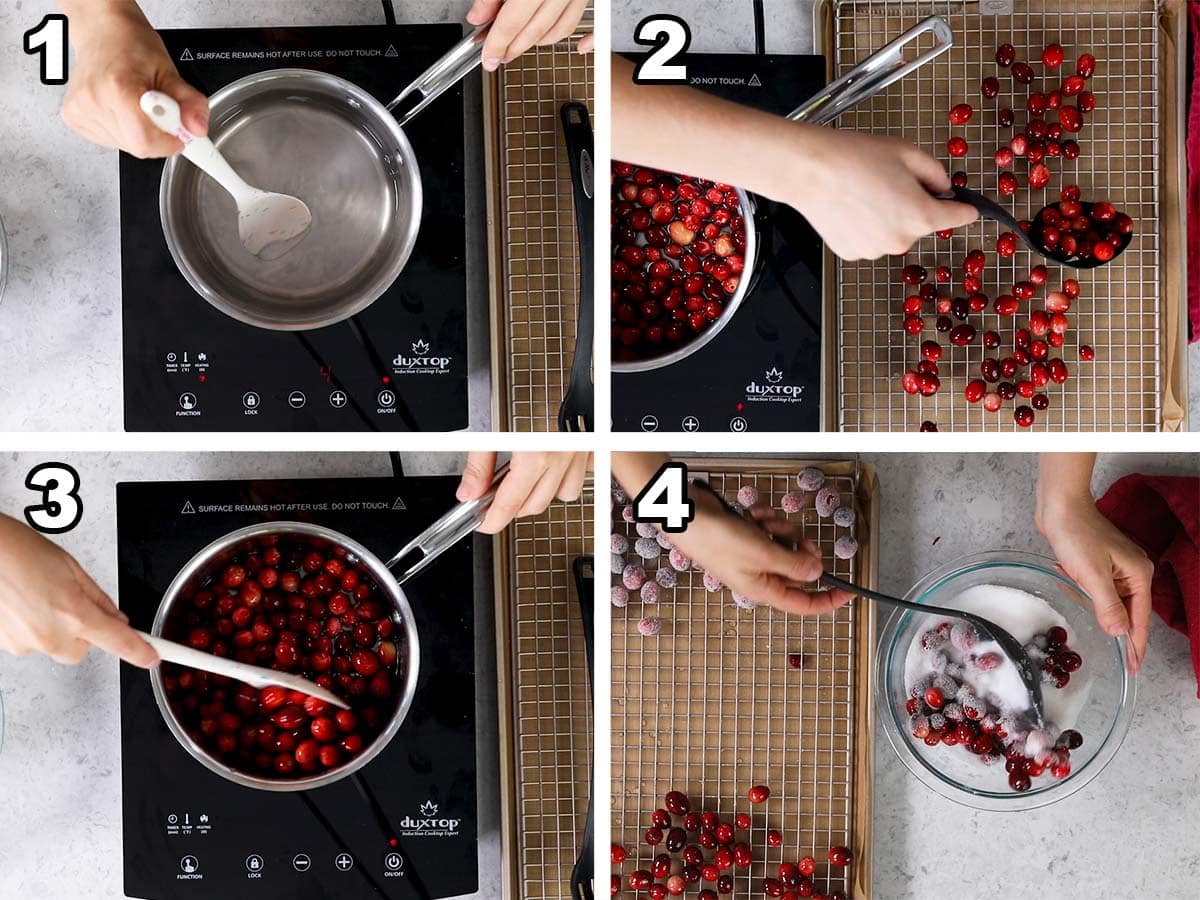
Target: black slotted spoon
576,413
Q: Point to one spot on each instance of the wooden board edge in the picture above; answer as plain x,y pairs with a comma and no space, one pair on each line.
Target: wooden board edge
497,263
864,639
510,868
1173,43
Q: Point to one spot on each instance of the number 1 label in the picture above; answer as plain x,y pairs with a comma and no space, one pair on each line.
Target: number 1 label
49,38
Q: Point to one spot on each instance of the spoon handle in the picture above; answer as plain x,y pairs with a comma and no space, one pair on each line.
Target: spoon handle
849,587
164,112
255,676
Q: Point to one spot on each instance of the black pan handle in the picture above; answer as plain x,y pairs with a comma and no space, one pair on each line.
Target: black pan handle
577,129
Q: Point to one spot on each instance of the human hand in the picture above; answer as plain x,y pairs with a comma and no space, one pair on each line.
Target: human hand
1113,570
118,58
48,604
519,24
867,195
765,558
533,481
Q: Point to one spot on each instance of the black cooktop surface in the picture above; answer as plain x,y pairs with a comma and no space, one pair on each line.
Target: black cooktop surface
405,825
401,365
763,371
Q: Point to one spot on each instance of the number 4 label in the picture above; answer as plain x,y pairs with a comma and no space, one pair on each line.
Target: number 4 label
664,501
49,38
670,37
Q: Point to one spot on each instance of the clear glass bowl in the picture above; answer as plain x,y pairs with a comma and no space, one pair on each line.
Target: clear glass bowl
3,260
1103,719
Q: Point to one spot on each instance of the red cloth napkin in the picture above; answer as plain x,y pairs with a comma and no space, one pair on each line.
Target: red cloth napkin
1161,515
1193,187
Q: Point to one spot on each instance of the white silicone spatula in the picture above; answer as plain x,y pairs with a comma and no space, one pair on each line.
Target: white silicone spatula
264,219
255,676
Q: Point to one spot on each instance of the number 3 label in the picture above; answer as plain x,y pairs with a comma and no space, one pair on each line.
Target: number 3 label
60,509
669,36
664,501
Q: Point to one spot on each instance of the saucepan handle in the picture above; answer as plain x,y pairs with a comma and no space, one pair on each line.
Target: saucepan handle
876,72
457,64
443,534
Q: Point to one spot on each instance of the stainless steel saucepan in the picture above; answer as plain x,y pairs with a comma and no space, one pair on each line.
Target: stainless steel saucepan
447,531
327,141
883,67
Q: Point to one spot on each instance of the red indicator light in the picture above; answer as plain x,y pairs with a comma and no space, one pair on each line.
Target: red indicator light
740,407
386,379
393,843
203,378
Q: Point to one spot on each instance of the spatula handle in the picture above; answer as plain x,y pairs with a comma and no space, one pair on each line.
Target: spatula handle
164,112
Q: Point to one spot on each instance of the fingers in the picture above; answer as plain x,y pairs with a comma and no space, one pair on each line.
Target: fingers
928,171
1135,577
137,135
477,475
524,473
72,653
111,634
483,12
1109,607
566,24
193,104
572,483
798,602
518,26
586,44
546,489
950,214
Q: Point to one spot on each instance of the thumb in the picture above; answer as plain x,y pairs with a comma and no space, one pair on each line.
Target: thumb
792,565
483,12
477,475
1110,609
193,105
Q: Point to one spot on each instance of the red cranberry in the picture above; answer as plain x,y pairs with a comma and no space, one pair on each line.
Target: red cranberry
961,114
840,856
1052,56
1022,73
990,87
957,146
758,794
677,803
1006,54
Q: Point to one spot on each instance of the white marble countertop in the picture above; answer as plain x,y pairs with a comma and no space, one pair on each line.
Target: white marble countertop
728,27
60,321
60,777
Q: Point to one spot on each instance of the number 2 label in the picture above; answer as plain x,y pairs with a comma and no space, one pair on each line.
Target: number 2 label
670,37
49,38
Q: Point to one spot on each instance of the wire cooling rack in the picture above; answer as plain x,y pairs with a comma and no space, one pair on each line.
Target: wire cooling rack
550,745
711,706
539,241
1119,309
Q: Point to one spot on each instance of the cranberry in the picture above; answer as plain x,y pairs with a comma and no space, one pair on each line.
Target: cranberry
1004,157
1086,66
990,87
957,146
1005,55
840,856
677,803
913,274
774,838
709,872
934,698
1023,416
962,335
1039,176
1022,72
961,114
742,855
1052,56
742,820
759,793
724,833
661,818
1086,353
1007,184
1005,118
